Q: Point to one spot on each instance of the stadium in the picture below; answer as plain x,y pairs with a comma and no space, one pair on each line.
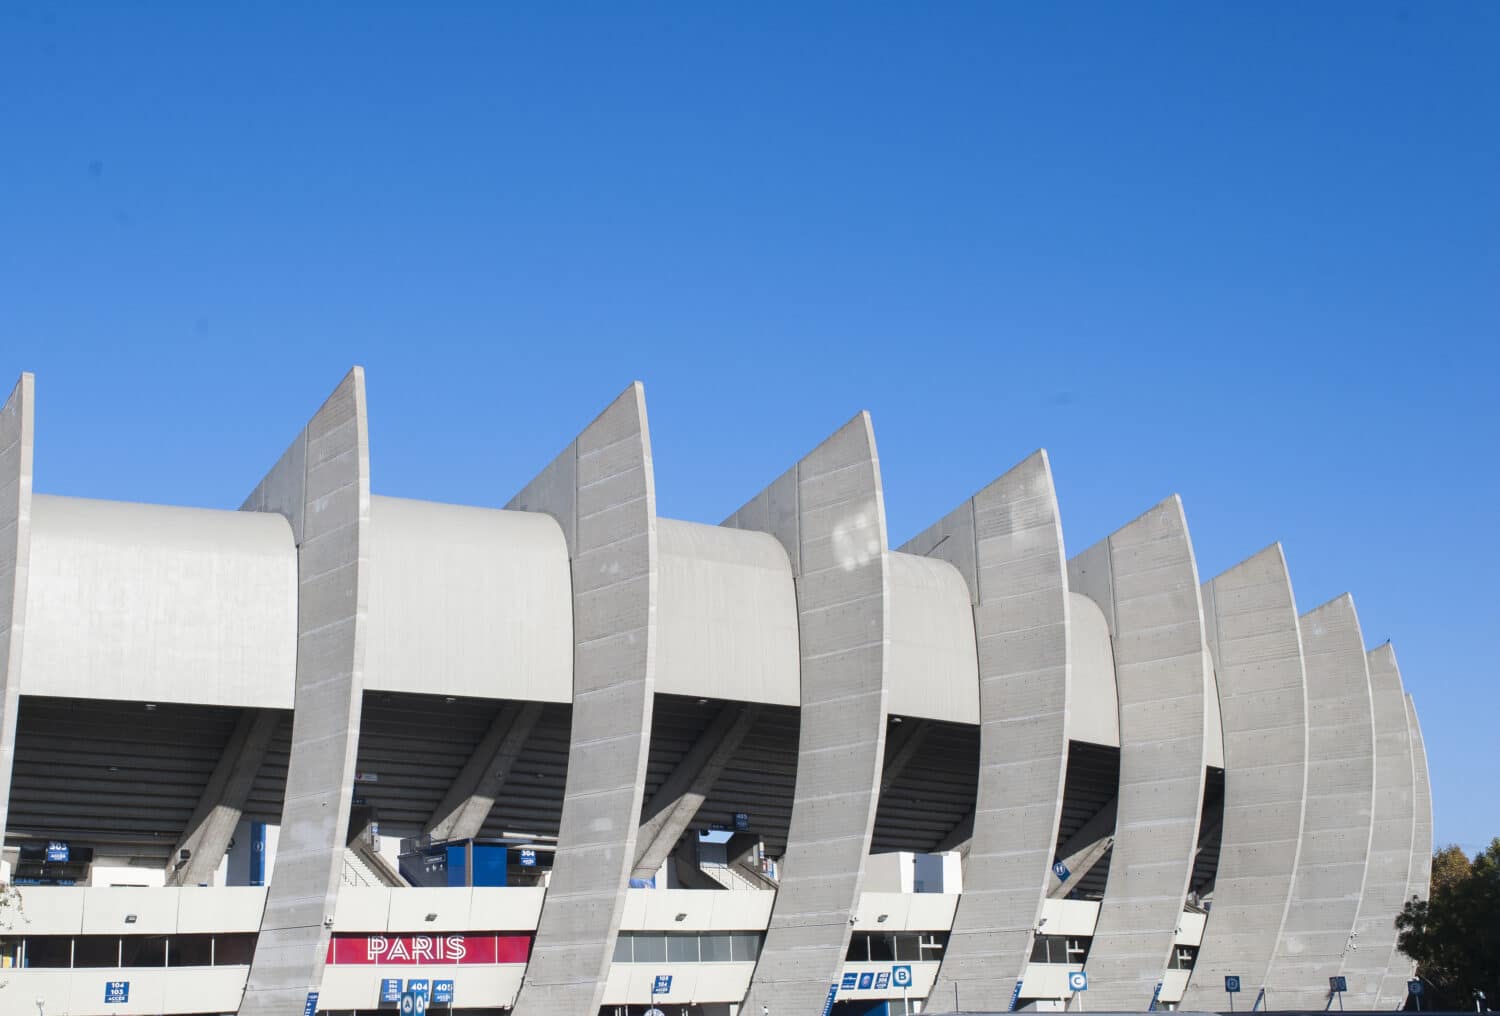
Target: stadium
569,757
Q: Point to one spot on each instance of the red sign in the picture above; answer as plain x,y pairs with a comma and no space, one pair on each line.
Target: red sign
468,947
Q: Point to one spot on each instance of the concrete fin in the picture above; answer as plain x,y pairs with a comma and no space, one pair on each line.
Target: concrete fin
17,439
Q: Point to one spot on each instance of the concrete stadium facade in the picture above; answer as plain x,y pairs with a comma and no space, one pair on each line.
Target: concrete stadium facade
569,757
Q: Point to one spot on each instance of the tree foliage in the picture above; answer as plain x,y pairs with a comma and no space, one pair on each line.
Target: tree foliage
1455,936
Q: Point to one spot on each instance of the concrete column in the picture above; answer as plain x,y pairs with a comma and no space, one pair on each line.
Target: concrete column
1337,818
829,514
1392,829
322,487
211,827
1145,581
602,492
671,809
17,429
463,810
1257,651
1419,876
1007,542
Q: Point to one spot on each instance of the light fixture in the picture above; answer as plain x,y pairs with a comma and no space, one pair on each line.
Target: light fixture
895,719
680,917
129,918
431,917
703,702
882,918
449,700
150,707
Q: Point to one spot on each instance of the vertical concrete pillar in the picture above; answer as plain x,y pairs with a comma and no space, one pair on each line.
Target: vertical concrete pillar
1392,829
322,486
17,427
1145,581
1336,822
1007,542
602,492
829,514
1419,876
1257,651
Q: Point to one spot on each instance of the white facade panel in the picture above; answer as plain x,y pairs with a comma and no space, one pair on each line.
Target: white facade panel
934,664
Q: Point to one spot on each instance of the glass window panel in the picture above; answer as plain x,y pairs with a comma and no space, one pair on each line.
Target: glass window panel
143,951
622,947
682,948
1039,949
745,946
882,947
96,951
190,951
234,950
715,948
859,947
908,948
650,947
49,951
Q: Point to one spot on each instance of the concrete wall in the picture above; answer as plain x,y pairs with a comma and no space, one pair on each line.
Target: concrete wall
1257,650
322,487
468,602
934,665
602,491
1419,875
1145,581
828,513
1094,706
1392,826
1336,824
161,604
1009,536
726,615
16,437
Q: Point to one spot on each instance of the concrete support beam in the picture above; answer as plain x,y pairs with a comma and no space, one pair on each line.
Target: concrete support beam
1336,824
1419,875
1145,581
1256,647
900,748
17,435
1085,849
462,812
602,492
211,827
322,487
1392,827
671,808
829,514
1007,543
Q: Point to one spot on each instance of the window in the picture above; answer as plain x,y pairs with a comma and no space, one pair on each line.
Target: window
190,951
49,951
715,948
1078,950
682,948
744,946
1183,957
908,948
650,947
143,951
96,951
932,944
882,948
622,947
232,950
859,948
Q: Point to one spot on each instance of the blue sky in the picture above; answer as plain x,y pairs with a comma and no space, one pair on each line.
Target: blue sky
1247,254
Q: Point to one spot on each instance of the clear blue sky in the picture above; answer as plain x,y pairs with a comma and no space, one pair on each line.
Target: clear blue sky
1243,253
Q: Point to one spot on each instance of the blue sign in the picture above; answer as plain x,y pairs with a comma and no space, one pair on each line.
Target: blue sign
58,850
882,980
1155,997
442,992
390,989
417,987
1338,984
1231,983
901,976
408,1004
741,820
850,982
528,857
116,992
866,980
833,990
1414,986
1078,980
1061,871
662,985
309,1007
1015,996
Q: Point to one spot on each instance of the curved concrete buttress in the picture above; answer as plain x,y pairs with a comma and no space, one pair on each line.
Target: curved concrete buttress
1419,876
1336,822
17,431
1257,650
322,487
1145,580
602,491
829,514
1007,542
1394,827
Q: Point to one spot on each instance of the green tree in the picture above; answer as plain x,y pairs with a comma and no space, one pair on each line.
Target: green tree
1455,936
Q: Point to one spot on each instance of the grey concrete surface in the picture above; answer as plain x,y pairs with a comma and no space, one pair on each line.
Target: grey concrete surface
1419,874
829,514
1336,821
17,436
602,491
462,812
1394,826
1256,646
1145,580
211,826
1007,543
322,487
